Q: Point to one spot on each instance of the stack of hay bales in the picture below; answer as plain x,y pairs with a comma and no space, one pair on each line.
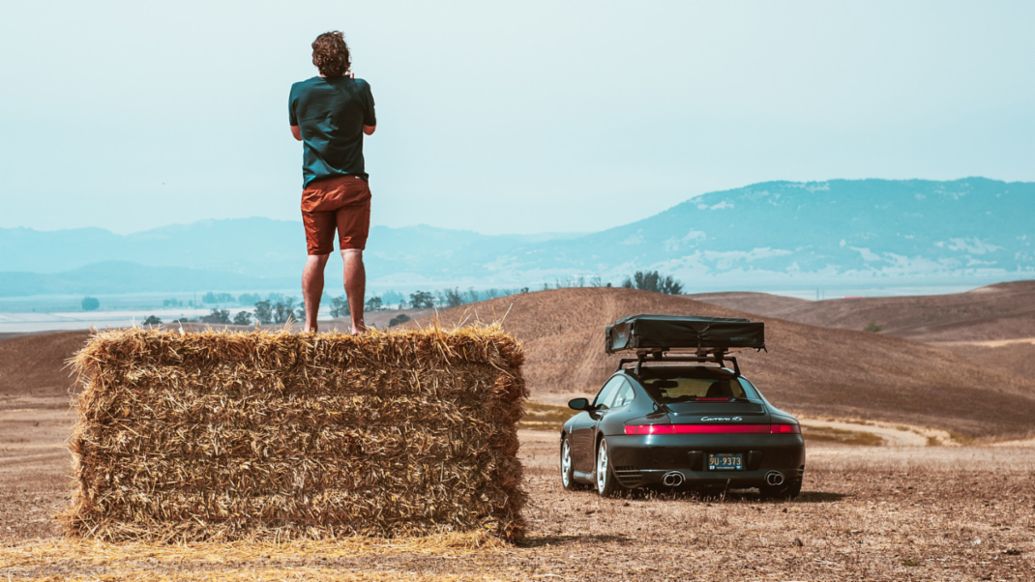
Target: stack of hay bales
221,436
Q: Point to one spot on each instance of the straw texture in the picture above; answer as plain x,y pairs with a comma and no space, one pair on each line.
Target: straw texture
274,435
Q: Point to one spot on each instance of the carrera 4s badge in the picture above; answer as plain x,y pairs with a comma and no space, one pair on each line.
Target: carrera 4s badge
721,419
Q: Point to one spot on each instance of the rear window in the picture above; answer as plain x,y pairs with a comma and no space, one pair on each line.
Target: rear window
671,386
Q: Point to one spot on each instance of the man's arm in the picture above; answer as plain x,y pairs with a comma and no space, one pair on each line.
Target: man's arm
297,132
369,119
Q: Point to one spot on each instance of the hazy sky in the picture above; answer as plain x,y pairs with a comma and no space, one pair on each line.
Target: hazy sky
520,117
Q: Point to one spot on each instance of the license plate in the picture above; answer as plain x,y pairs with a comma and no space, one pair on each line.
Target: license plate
725,461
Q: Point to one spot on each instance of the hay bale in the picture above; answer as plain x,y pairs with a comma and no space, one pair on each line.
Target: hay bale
220,436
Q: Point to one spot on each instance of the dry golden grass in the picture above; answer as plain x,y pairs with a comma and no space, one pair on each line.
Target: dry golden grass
222,436
540,416
841,436
64,559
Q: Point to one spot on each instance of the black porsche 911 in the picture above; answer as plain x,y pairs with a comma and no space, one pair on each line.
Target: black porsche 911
676,416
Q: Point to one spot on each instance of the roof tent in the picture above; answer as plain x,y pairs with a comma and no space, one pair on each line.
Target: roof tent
691,332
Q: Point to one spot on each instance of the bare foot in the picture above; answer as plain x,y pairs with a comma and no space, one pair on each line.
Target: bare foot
359,327
309,329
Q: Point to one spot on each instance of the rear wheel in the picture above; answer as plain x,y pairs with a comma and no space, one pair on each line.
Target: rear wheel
788,490
606,483
567,466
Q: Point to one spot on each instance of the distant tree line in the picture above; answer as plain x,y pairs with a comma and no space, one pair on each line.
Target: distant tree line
276,308
643,280
653,281
213,297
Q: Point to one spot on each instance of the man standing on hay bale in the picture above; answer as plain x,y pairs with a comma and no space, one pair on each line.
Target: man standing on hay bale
330,114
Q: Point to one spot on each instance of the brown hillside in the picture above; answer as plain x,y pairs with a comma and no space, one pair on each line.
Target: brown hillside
1002,311
1017,358
751,302
34,364
807,369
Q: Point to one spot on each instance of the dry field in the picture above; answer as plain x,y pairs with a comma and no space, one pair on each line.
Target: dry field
815,370
1003,310
911,472
867,512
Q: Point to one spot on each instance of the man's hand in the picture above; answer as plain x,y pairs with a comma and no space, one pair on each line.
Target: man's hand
297,132
369,129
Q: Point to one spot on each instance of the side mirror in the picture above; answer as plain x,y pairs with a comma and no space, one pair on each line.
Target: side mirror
579,404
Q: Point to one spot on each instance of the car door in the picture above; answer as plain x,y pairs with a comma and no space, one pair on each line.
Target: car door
583,442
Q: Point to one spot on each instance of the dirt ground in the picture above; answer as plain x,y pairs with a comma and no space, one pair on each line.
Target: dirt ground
867,512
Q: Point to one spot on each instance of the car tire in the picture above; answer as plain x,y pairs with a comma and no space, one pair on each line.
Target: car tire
795,490
785,491
604,475
568,466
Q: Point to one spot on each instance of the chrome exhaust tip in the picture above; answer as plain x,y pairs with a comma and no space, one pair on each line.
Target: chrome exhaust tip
774,478
672,479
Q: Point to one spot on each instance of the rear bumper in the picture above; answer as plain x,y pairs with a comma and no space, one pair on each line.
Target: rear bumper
633,478
644,460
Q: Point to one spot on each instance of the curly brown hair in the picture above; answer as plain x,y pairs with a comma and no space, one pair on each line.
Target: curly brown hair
331,54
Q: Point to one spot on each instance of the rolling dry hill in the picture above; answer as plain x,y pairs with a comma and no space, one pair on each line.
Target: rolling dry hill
766,304
820,371
34,364
994,325
1001,311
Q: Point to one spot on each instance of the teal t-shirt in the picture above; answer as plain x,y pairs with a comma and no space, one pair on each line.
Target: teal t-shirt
331,114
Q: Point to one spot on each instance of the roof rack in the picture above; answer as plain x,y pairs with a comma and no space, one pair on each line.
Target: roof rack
703,355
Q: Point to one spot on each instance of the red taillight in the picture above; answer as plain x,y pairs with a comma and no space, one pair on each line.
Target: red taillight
641,429
695,428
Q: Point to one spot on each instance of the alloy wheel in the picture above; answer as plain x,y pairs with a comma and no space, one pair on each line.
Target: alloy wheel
566,463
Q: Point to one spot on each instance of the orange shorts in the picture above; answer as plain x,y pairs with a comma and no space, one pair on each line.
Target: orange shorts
342,203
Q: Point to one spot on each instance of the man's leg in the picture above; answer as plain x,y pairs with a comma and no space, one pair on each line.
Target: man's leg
353,227
312,288
319,238
355,286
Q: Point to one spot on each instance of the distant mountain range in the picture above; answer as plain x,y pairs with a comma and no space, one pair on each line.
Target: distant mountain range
763,236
